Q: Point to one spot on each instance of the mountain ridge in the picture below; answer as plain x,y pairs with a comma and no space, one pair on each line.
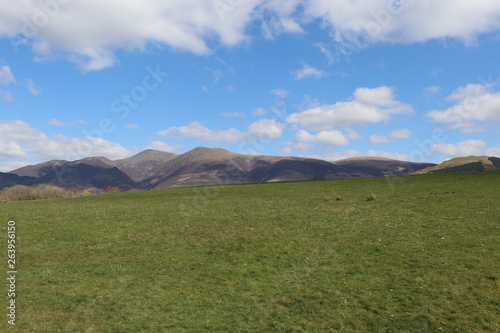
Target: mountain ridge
154,169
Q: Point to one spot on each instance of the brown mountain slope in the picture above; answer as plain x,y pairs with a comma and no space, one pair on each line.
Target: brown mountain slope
38,170
461,164
210,166
144,165
379,167
201,166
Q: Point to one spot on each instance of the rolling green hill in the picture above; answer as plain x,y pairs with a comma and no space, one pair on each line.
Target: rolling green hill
283,257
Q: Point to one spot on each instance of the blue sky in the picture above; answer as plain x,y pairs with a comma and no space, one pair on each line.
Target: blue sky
330,79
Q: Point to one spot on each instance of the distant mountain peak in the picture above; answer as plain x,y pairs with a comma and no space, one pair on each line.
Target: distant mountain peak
154,169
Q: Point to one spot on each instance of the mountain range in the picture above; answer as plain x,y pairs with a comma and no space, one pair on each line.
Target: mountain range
152,169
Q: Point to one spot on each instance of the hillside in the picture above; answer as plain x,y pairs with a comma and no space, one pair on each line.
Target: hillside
379,167
464,164
272,257
205,166
153,169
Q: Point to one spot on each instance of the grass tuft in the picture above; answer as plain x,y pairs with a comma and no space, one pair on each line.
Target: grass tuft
371,197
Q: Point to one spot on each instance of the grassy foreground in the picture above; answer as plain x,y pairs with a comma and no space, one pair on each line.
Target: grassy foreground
289,257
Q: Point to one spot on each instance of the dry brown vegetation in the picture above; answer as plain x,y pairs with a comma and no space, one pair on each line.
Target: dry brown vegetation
22,192
114,189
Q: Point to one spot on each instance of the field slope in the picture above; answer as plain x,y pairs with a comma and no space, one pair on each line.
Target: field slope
284,257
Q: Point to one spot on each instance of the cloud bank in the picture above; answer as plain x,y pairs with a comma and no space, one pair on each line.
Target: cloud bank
89,32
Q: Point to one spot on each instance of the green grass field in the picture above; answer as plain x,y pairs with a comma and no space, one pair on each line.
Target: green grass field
288,257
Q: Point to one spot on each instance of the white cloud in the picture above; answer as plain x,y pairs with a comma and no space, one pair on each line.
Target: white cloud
265,129
367,106
285,151
302,146
196,130
376,139
307,71
464,148
132,126
6,76
334,138
261,129
394,156
59,123
280,92
358,22
326,52
340,155
275,27
162,146
89,32
403,133
20,142
432,89
353,135
259,111
399,134
475,106
495,151
233,114
32,87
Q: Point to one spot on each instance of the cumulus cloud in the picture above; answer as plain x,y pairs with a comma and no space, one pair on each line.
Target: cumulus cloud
494,151
464,148
6,76
265,129
196,130
330,138
162,146
475,105
366,106
403,133
360,22
20,143
89,32
261,129
340,155
280,93
307,71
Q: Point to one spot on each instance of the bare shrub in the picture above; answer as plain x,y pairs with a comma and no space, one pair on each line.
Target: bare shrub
114,189
44,191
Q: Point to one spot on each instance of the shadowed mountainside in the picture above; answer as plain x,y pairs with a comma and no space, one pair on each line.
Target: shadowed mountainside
379,167
153,169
